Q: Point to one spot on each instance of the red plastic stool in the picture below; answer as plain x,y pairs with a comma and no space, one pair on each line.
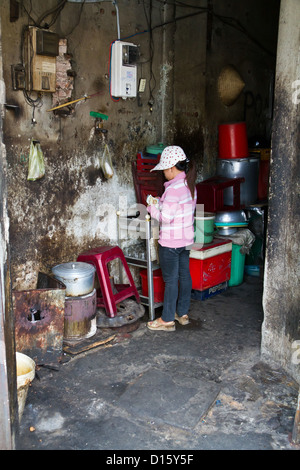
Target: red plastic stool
100,257
210,193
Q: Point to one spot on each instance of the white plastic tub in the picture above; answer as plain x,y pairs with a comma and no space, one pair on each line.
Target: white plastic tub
25,375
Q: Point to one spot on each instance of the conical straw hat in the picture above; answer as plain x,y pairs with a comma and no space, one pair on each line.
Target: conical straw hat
230,85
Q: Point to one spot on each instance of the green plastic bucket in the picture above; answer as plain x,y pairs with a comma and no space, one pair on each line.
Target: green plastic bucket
204,228
237,266
156,148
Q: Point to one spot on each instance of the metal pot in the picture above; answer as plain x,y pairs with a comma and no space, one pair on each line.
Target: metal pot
226,230
78,277
230,217
79,312
246,167
227,223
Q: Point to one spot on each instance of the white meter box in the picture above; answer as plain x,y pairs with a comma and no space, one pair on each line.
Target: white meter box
123,81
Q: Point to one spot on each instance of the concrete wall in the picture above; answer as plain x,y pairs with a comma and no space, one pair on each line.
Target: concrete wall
8,389
281,300
73,206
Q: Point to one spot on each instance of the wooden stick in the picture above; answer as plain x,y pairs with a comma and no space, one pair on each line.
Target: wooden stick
67,104
77,349
85,97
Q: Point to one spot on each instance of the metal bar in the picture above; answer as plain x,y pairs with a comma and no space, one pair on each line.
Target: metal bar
140,263
145,301
149,269
119,244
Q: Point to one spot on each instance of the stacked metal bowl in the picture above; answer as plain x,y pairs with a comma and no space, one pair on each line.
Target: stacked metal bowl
228,222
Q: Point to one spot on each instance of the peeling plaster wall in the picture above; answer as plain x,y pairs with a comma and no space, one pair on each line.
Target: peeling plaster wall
8,389
73,207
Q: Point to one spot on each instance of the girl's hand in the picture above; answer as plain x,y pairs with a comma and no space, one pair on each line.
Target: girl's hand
152,200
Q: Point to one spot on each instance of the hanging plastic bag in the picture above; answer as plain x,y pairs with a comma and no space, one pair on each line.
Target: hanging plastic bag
36,166
106,163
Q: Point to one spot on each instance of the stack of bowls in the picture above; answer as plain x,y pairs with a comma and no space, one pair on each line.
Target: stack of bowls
227,223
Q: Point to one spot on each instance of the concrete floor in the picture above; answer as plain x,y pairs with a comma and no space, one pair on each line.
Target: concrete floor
202,387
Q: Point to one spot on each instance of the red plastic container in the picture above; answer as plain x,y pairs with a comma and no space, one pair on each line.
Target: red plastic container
158,284
233,142
211,264
146,162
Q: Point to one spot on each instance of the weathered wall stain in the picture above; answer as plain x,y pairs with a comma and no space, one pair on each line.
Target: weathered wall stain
280,329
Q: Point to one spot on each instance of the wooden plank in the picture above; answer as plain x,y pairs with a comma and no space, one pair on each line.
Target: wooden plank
87,345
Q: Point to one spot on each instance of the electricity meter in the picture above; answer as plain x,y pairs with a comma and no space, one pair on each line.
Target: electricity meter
123,82
40,51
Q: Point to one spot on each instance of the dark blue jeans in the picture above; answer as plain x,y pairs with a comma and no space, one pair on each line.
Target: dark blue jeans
175,267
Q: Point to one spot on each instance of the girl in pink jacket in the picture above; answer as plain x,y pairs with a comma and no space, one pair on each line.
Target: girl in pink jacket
175,214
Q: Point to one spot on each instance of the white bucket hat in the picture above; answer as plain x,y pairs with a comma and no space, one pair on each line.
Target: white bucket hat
169,157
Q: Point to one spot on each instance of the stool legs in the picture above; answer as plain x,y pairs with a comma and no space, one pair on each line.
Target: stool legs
100,258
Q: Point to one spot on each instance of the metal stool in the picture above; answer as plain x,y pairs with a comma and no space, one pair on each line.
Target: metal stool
100,257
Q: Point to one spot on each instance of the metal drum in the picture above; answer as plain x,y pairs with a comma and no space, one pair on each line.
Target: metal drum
242,167
79,312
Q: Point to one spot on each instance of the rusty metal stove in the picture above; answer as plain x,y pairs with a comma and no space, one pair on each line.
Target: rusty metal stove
39,320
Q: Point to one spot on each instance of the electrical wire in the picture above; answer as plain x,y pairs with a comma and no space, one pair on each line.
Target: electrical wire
236,24
227,20
36,103
151,53
77,22
33,102
55,10
114,2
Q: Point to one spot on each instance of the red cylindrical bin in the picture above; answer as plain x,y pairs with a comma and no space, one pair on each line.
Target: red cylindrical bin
233,142
158,284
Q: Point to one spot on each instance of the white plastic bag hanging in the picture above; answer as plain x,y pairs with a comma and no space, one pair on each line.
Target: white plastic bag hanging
106,163
36,165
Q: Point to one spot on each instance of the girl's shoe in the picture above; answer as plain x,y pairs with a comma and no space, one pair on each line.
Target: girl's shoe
156,325
184,320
